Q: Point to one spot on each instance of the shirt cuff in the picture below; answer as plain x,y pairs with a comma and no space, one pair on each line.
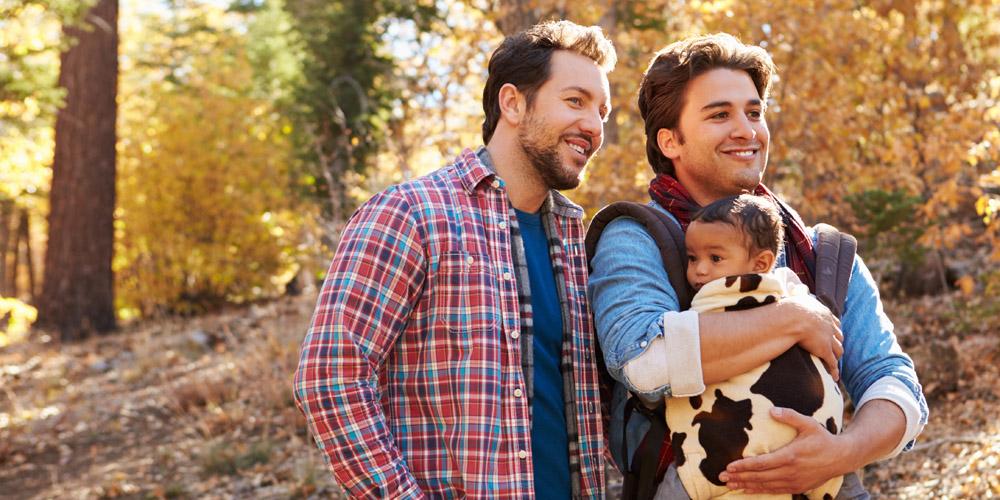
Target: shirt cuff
672,359
891,389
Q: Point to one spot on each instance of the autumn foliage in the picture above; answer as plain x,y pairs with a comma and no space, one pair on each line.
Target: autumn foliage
204,215
884,121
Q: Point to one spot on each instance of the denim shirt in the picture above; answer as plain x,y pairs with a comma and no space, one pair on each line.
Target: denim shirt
629,296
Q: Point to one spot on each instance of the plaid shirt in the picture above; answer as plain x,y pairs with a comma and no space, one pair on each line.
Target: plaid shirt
410,375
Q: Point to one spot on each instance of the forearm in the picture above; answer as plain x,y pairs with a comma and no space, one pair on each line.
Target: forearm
875,431
815,455
891,390
736,342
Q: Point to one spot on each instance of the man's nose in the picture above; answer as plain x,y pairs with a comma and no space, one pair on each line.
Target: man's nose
593,126
743,128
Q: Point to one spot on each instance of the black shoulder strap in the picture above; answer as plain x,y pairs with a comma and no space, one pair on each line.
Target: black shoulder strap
834,262
665,231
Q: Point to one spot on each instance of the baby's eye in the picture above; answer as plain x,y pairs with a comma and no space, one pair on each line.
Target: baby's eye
692,258
716,258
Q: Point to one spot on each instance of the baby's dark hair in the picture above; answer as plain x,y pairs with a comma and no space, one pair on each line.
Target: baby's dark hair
756,217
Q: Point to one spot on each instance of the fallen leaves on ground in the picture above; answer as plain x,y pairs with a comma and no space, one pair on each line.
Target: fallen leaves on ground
201,408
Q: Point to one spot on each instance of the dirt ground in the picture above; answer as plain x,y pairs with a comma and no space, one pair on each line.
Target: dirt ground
201,408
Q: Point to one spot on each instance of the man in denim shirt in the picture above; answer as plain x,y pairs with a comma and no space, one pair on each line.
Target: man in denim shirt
703,101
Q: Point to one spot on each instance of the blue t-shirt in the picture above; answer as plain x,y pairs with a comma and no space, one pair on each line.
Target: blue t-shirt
549,441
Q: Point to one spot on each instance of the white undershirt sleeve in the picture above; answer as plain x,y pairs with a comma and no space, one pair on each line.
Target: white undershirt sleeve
891,389
672,359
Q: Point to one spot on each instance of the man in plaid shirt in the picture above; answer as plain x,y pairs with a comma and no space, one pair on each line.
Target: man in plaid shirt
452,352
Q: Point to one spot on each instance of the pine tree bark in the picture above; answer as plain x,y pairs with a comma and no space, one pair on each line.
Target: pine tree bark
77,290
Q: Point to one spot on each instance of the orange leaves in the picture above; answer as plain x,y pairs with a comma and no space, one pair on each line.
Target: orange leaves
967,284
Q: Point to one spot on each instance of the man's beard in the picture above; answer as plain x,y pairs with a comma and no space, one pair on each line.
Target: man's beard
545,158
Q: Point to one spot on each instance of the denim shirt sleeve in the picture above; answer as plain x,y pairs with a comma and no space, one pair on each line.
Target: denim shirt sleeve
871,351
629,291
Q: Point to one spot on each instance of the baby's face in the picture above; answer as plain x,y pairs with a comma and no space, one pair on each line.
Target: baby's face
715,250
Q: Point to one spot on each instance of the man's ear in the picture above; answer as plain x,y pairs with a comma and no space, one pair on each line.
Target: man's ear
763,261
667,141
512,104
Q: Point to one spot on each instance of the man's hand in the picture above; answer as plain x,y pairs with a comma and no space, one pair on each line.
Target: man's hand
811,459
817,329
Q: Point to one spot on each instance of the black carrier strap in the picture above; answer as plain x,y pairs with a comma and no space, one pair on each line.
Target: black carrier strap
665,231
834,262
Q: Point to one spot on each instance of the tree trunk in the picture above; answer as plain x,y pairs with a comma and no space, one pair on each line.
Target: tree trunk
24,235
609,23
6,211
77,295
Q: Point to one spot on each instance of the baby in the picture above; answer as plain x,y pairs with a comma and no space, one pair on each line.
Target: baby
732,246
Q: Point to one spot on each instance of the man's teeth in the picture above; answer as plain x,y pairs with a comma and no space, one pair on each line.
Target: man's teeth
746,154
578,149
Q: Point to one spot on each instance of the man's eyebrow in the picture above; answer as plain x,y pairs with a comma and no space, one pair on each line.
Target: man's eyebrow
727,104
577,88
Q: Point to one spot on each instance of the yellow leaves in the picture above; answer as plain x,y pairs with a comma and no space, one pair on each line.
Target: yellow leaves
888,157
199,164
987,207
992,114
20,317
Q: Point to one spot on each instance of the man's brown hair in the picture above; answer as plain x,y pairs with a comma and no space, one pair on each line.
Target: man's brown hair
662,91
524,60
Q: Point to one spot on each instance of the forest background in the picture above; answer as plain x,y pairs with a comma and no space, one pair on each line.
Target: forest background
158,278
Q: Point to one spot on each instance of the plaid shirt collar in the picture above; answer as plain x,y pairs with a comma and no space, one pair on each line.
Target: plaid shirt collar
475,167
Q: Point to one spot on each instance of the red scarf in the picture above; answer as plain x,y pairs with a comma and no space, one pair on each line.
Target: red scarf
799,252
